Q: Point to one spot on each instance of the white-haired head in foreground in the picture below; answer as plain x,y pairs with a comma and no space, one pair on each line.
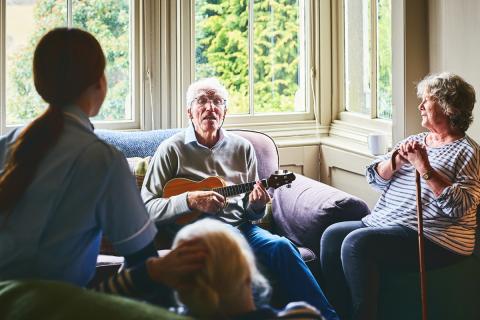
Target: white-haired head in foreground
203,85
229,274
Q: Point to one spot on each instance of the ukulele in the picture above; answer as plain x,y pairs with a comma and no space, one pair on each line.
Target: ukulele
180,185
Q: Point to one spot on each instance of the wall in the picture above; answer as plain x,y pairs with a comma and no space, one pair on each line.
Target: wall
454,28
345,170
331,162
410,55
343,161
438,35
301,159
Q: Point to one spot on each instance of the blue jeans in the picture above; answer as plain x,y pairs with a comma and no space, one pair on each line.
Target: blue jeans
284,262
352,256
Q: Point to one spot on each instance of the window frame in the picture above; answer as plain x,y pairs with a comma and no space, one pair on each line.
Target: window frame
355,121
136,70
268,119
373,61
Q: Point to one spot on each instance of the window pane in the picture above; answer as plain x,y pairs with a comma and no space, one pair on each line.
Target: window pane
26,22
357,56
384,62
277,57
109,22
221,50
221,47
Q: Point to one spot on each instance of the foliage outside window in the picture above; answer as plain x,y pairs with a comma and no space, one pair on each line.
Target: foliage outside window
28,20
257,49
368,51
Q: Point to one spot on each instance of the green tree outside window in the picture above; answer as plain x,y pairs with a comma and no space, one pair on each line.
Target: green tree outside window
221,37
108,20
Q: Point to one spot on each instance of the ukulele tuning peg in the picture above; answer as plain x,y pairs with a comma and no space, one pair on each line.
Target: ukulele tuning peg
285,171
289,185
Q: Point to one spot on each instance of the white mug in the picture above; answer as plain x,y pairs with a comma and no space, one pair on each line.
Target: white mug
377,143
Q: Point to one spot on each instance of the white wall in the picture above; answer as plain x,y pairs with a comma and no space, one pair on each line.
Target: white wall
342,164
455,45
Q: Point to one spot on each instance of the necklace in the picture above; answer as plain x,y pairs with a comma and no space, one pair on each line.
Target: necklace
430,141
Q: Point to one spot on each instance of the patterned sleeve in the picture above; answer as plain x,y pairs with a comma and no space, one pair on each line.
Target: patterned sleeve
135,283
373,178
464,194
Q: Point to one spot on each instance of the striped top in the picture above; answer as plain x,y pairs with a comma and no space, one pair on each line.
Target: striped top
136,283
450,219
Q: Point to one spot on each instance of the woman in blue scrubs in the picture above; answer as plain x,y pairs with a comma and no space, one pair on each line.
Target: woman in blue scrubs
61,187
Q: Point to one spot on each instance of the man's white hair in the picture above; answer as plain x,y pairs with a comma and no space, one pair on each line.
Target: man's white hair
205,84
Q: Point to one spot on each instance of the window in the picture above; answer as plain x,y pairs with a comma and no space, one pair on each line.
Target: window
258,50
368,57
111,23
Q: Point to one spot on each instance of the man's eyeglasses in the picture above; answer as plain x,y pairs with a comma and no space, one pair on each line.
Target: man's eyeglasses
216,101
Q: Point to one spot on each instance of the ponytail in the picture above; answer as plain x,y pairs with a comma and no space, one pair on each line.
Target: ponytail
65,64
25,155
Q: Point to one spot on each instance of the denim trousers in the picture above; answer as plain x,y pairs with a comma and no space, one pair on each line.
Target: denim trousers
284,262
352,255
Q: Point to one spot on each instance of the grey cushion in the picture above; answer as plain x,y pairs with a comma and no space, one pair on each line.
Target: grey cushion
302,212
265,149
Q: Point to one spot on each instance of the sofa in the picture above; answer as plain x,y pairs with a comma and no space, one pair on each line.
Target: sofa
304,210
300,211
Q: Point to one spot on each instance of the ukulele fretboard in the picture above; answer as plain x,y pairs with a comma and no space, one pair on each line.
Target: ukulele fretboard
229,191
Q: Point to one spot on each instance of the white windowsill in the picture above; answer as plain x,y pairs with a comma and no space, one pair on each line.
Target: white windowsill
288,134
348,145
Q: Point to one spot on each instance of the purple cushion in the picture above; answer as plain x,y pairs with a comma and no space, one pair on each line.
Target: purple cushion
302,212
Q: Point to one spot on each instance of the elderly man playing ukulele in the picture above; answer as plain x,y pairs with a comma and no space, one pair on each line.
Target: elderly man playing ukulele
205,150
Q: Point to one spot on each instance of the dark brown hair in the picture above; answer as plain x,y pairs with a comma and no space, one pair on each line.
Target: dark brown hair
66,62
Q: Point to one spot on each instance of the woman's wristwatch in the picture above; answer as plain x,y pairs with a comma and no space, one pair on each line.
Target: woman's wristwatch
428,174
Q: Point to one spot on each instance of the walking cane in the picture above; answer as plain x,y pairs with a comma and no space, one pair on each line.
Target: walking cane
421,253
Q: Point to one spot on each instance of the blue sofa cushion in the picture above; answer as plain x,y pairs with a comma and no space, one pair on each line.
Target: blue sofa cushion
136,143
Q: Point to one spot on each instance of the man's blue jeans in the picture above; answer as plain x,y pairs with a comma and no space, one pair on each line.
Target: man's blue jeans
284,262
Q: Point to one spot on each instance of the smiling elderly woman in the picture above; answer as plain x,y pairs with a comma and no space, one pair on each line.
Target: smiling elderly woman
448,161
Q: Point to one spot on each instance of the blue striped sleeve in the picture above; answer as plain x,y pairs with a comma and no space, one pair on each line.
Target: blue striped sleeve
459,198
